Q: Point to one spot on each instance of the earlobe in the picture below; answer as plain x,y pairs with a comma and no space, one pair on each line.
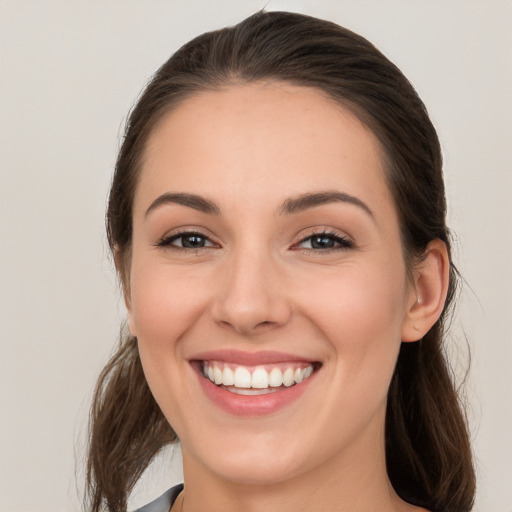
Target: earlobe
131,324
431,279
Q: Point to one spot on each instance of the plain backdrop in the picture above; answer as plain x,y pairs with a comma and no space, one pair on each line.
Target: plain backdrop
69,72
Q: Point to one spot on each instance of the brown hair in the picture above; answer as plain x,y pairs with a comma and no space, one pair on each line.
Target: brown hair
427,444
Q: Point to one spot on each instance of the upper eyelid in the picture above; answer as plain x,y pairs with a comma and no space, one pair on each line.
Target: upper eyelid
176,233
344,242
173,236
309,232
325,233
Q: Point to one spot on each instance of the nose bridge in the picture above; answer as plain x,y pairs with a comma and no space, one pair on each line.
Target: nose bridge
251,296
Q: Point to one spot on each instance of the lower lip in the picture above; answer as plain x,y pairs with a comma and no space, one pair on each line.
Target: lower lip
251,405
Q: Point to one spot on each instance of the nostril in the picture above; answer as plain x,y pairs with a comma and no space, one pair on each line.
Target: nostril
246,328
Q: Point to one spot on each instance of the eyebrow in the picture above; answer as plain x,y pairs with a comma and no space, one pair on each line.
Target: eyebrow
191,200
305,201
290,206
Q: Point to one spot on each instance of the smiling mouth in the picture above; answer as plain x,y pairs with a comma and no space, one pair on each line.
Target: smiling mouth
256,380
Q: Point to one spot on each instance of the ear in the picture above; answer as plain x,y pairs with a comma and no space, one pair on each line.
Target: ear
123,270
427,298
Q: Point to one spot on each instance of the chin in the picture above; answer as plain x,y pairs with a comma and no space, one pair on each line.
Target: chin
260,461
257,472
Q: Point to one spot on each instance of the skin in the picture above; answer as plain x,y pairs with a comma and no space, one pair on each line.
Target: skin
258,285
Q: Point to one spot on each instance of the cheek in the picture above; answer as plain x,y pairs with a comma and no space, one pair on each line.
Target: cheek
357,302
166,303
360,314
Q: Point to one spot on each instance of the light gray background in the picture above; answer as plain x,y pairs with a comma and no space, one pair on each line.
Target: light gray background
69,72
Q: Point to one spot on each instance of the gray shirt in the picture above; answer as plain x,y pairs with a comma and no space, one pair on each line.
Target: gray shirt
164,503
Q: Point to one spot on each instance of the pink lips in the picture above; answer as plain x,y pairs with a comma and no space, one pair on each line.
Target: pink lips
248,358
253,405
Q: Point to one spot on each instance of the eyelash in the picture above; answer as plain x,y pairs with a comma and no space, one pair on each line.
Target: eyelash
343,243
167,241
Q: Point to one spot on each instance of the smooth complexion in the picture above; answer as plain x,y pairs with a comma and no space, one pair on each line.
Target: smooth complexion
268,274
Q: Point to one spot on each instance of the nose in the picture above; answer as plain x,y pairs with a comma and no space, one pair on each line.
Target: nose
251,297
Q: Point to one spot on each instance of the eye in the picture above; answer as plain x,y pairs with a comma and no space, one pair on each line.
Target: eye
324,241
189,240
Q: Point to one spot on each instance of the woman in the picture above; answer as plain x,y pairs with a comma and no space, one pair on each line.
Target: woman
277,218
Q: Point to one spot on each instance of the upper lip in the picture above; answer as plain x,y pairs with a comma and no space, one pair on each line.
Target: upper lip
248,358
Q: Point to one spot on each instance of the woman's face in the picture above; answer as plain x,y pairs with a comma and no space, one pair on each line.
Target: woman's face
266,253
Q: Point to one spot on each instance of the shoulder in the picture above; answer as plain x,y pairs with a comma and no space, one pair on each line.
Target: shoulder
164,502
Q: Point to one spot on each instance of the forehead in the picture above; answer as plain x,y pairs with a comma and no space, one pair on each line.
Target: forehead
261,142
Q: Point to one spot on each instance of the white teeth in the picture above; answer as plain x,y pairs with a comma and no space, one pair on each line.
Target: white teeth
259,379
241,380
217,375
228,377
242,377
275,378
288,379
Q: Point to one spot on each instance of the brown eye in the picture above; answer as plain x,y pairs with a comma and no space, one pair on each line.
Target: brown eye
186,241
